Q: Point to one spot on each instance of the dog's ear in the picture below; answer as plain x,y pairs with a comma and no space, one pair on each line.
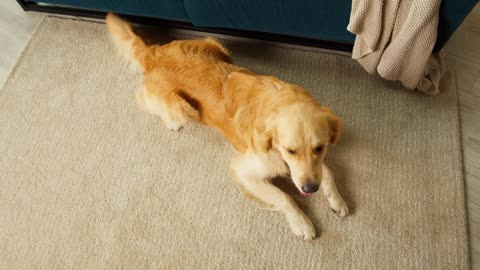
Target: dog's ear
335,125
267,142
262,141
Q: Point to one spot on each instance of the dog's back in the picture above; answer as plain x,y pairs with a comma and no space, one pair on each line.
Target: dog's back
186,76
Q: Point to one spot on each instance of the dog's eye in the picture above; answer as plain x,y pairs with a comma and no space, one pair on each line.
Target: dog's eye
319,149
292,152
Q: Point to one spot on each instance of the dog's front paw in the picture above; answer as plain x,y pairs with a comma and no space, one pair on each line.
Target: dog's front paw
339,207
174,126
301,226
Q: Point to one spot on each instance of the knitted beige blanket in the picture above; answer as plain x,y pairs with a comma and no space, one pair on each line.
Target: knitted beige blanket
396,38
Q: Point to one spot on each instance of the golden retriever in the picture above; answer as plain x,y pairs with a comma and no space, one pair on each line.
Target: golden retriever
277,128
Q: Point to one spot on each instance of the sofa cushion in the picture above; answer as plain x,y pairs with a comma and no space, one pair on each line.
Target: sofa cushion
165,9
325,19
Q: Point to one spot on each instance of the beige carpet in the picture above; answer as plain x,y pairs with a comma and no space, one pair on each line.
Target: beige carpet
87,181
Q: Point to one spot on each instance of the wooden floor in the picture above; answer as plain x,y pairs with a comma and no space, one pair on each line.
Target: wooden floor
462,57
16,28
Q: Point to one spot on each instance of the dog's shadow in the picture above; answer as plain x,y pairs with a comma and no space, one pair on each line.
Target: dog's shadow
156,35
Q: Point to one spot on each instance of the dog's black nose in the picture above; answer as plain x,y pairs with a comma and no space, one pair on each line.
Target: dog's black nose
310,187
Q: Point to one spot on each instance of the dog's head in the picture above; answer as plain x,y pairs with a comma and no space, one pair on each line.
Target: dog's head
301,133
278,116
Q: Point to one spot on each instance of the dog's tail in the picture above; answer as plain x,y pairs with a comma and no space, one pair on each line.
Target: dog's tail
130,46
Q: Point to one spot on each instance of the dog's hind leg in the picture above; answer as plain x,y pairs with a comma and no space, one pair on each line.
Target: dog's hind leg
169,105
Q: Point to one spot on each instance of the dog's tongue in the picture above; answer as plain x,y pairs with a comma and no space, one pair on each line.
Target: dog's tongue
305,194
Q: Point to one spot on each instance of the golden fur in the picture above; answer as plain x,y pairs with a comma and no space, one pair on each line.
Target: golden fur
276,127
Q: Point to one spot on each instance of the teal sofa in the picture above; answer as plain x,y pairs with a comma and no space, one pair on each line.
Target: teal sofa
305,20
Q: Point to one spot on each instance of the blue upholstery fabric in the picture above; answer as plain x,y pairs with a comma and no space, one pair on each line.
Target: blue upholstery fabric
165,9
452,14
318,19
322,19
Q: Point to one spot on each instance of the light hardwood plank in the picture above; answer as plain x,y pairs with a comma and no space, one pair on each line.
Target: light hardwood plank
463,57
16,29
